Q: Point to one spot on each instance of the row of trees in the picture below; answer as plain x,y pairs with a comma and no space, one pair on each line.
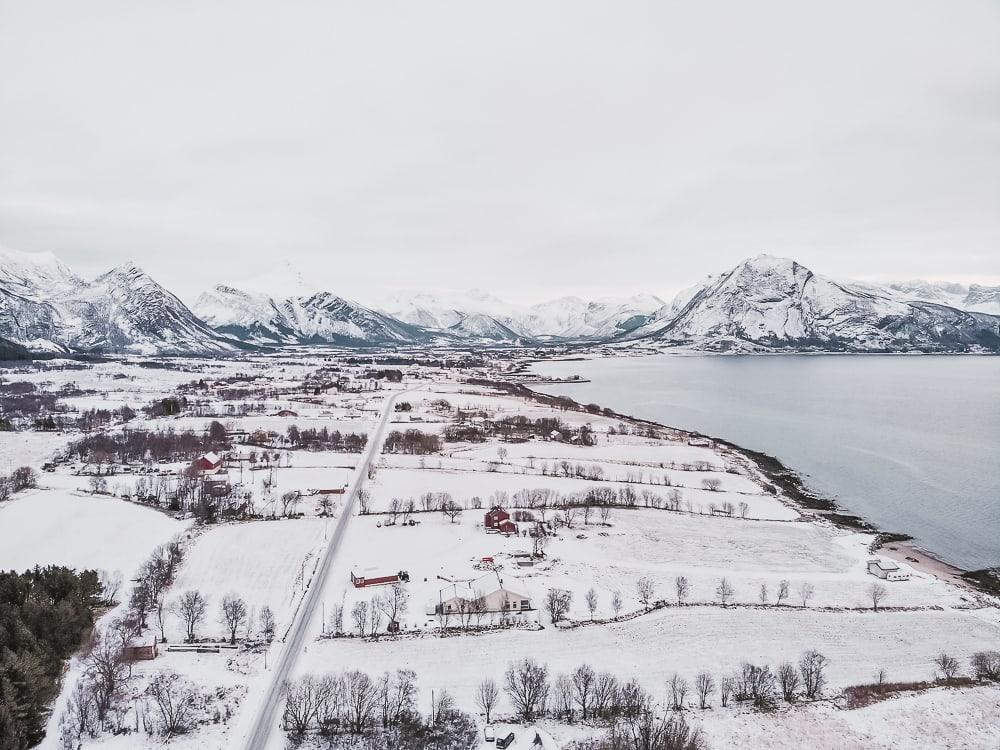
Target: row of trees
326,439
149,445
344,705
415,442
590,695
558,601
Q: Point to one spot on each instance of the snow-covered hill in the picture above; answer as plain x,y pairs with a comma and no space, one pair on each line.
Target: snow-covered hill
563,318
45,306
776,303
973,298
319,318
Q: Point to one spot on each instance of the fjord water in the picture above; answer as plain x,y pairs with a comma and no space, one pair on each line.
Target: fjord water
911,443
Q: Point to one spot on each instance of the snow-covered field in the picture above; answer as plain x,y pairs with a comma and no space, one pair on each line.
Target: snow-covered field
42,527
271,562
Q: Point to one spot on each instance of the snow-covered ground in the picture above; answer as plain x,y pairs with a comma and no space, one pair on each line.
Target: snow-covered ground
49,527
270,562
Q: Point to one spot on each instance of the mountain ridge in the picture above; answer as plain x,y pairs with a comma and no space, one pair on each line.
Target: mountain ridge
761,304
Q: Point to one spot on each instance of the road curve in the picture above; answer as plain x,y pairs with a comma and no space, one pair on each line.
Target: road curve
264,722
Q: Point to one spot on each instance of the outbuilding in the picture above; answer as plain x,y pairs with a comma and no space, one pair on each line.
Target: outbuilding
208,462
887,569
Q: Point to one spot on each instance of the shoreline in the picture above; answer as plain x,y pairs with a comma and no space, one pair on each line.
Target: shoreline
899,547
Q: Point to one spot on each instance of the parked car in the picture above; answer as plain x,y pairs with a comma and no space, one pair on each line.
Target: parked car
489,734
506,741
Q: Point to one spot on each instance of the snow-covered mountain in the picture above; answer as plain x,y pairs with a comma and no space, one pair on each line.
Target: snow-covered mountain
776,303
45,306
764,303
317,318
484,315
973,298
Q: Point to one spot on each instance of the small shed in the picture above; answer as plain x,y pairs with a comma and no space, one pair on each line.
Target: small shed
887,569
142,648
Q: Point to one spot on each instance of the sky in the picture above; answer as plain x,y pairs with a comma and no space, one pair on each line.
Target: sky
533,149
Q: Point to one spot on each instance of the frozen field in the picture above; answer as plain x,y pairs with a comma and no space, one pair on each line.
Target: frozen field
264,562
686,640
42,527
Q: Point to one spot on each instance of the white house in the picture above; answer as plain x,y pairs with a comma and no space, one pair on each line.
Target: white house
887,569
501,600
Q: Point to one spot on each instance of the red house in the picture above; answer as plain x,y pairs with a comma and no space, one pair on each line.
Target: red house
498,519
208,462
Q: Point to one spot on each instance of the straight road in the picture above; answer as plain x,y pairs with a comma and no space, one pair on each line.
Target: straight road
267,715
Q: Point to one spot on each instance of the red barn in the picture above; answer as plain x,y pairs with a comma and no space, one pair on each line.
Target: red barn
498,519
362,581
208,462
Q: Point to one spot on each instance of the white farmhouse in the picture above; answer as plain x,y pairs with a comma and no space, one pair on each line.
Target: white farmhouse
887,569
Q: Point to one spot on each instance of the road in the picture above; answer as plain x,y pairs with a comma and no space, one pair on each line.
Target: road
267,716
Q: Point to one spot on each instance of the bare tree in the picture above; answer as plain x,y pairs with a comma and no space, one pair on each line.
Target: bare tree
451,509
616,602
561,697
986,665
711,484
812,667
267,623
301,704
605,512
361,696
763,593
703,686
947,665
724,591
584,679
174,699
557,603
678,687
788,680
111,583
106,672
527,686
359,614
806,591
591,603
365,497
877,592
234,614
756,684
682,588
782,591
726,687
191,608
487,696
646,590
394,602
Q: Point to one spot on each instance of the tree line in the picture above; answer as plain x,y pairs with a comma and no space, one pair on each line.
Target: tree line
45,616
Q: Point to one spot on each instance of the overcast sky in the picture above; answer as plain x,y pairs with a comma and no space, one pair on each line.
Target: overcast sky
533,149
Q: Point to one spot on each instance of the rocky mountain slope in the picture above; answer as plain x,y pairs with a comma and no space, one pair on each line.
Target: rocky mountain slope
763,304
46,307
768,303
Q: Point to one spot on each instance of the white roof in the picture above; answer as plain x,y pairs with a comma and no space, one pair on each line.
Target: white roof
885,564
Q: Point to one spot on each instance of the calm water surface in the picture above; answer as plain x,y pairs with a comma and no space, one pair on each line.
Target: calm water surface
911,443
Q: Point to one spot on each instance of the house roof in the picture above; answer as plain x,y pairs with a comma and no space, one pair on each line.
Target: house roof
212,457
884,564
